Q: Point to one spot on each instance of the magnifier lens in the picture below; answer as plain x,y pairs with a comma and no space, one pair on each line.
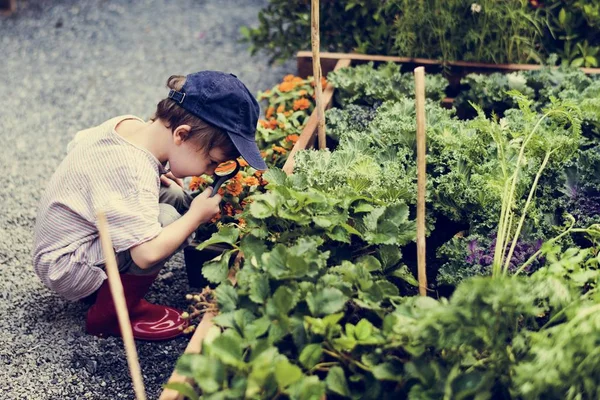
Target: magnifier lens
225,168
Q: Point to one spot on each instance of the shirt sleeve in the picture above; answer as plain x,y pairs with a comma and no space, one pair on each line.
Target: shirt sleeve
132,219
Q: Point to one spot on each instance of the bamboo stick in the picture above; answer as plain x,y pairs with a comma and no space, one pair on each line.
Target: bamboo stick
116,290
421,177
314,13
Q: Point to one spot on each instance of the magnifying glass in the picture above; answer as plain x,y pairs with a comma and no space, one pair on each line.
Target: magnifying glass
224,172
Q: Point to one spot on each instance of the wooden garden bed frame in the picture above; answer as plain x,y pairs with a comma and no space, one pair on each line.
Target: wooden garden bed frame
332,62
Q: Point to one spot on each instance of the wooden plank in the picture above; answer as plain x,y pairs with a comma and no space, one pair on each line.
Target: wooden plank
193,347
426,61
311,125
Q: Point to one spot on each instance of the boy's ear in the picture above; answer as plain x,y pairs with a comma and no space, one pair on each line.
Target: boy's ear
181,133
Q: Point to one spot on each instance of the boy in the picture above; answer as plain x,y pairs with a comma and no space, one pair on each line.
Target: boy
209,117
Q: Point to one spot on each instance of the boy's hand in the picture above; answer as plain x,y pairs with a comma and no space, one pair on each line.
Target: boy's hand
168,178
205,207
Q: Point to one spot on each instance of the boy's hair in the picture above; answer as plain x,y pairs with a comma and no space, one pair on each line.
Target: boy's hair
203,134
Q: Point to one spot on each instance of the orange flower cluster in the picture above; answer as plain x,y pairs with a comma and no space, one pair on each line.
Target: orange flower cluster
301,104
228,209
251,181
270,124
197,182
323,83
281,108
279,149
269,112
289,83
292,138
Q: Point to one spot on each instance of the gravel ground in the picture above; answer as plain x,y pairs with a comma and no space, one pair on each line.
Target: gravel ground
63,68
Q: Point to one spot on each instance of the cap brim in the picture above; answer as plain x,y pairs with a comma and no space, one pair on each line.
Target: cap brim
249,151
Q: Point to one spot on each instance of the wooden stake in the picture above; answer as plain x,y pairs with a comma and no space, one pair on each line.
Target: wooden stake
421,177
116,290
314,14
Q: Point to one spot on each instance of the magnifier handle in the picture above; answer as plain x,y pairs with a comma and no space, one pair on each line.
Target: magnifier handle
219,180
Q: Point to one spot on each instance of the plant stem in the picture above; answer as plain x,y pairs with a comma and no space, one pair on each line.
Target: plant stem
524,213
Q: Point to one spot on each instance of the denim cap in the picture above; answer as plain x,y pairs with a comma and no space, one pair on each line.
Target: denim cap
222,100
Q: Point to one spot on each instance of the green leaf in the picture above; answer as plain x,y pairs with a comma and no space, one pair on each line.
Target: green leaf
311,355
326,301
404,274
264,205
259,288
227,347
309,388
287,373
370,263
339,234
253,248
388,289
184,388
390,255
275,176
363,330
227,234
386,372
217,270
227,297
336,382
283,300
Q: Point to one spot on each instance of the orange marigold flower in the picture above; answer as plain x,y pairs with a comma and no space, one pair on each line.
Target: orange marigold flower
242,162
301,104
288,113
197,182
303,92
292,138
323,83
288,78
298,80
273,123
286,86
228,209
234,187
251,181
279,149
281,108
221,191
269,112
238,177
263,154
267,91
216,217
264,123
281,125
242,222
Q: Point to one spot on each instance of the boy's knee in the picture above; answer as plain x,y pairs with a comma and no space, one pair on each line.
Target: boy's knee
167,214
175,196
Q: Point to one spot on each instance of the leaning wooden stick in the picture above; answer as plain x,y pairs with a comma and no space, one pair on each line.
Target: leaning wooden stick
421,177
314,13
116,290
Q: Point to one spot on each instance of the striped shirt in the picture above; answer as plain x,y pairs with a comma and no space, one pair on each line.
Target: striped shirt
101,171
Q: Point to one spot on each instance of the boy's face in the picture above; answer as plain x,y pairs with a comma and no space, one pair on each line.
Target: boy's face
186,160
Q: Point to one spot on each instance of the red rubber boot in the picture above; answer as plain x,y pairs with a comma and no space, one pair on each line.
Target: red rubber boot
148,321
